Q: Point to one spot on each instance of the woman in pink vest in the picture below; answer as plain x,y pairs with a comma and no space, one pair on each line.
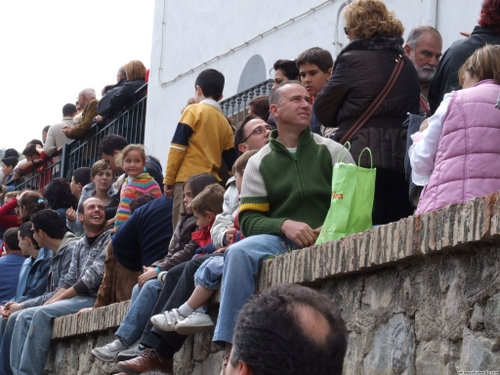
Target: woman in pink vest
457,157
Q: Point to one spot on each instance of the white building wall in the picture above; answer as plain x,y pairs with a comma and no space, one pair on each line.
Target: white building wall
189,33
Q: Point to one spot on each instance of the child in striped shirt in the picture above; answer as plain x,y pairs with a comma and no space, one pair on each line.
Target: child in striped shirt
138,182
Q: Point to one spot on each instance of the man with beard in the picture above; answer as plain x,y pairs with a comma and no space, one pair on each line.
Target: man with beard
79,289
423,47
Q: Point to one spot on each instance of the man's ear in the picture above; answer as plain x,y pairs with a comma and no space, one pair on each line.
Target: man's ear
115,153
273,108
329,71
407,50
210,215
242,147
80,217
244,369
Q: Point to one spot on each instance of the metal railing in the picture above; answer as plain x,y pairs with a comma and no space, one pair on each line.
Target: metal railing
82,152
236,106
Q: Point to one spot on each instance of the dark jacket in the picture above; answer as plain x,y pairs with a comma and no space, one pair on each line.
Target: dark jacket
446,78
119,98
360,72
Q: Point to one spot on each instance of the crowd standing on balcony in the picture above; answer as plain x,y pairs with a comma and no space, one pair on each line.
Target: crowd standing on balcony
110,235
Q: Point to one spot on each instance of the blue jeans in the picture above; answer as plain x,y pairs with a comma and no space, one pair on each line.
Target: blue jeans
210,272
141,305
241,267
6,329
33,332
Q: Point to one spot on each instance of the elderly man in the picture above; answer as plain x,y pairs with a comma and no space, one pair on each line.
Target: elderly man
288,329
86,100
28,353
423,47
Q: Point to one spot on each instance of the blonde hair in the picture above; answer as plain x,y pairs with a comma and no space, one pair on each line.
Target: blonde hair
370,18
483,64
135,70
99,165
210,199
242,161
132,147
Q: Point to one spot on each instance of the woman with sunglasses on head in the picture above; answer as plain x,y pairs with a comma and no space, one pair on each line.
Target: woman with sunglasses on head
360,73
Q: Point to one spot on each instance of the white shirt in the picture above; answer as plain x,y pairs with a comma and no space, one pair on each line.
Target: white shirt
423,151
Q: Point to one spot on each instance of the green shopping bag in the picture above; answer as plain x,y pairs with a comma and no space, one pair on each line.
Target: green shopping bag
353,188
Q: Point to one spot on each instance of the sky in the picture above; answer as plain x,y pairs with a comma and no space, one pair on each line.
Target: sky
53,49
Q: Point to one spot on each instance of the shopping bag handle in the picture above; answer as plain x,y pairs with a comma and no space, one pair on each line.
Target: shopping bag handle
371,157
343,153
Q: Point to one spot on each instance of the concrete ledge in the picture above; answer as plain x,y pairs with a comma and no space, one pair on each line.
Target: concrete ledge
415,236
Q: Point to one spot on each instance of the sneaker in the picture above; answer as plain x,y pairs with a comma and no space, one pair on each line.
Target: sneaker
161,277
167,320
108,352
132,352
195,322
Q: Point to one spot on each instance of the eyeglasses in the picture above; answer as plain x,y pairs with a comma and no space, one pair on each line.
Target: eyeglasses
258,131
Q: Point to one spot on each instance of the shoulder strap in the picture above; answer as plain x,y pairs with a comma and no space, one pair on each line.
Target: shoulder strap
376,103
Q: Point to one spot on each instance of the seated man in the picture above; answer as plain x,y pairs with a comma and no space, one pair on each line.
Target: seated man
10,265
302,330
274,217
28,353
49,233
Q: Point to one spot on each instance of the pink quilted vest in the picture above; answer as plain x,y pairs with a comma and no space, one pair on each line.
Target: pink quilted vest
467,161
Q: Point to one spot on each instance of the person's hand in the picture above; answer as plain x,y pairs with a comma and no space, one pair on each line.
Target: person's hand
71,214
4,189
424,125
66,130
300,233
51,301
9,309
463,33
84,310
148,274
231,230
221,250
169,191
110,223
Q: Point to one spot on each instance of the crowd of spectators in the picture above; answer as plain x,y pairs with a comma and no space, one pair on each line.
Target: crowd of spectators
121,230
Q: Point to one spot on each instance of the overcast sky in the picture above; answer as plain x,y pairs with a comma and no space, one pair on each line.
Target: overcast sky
53,49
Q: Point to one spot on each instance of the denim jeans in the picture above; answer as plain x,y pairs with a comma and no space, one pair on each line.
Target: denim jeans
6,330
209,274
241,267
141,304
33,332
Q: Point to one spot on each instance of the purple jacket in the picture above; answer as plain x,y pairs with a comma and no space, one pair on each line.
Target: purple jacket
467,161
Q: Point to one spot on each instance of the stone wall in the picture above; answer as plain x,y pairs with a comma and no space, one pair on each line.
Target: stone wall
420,296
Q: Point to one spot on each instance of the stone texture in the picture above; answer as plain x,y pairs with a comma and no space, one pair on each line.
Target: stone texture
479,353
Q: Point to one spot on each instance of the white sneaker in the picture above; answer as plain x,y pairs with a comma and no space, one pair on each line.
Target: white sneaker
161,277
195,322
167,320
108,352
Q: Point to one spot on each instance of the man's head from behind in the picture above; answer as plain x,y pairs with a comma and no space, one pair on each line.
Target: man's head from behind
69,110
423,47
315,66
85,96
47,223
10,240
109,149
302,330
209,85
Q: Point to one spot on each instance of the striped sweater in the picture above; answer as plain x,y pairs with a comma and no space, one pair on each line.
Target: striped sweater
132,188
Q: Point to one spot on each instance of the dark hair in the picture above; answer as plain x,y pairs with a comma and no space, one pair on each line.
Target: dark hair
46,129
198,182
25,231
50,222
260,106
288,67
10,161
277,317
32,202
141,200
490,15
35,142
30,150
239,134
58,194
82,175
68,109
320,57
10,238
211,83
11,152
112,143
150,159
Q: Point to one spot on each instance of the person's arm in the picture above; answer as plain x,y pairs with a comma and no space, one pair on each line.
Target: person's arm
178,146
89,113
423,152
174,258
65,294
41,276
50,143
329,101
225,219
7,220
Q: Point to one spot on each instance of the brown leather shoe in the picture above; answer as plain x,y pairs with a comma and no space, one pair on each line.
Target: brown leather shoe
147,361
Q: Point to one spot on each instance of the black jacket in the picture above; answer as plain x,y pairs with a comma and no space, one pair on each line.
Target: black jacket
360,72
119,98
446,78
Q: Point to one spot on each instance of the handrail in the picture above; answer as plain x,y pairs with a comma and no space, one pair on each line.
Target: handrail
82,152
235,106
